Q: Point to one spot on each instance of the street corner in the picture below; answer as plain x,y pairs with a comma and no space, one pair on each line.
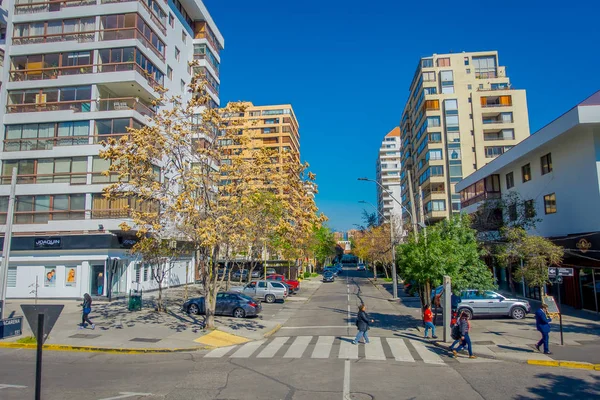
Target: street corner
218,338
272,331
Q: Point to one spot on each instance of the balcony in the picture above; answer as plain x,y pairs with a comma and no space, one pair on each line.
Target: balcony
487,188
130,33
50,5
80,37
496,101
496,119
158,17
113,104
27,144
34,74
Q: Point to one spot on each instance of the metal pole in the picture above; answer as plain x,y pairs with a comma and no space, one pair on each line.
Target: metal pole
594,286
7,241
394,275
412,206
447,310
38,358
560,314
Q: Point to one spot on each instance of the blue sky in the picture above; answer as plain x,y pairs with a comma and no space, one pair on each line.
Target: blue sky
346,65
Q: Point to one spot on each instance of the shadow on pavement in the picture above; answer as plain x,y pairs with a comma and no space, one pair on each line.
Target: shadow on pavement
564,387
382,321
512,348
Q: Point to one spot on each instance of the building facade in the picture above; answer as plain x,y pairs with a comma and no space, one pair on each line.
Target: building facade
461,113
388,176
77,73
556,172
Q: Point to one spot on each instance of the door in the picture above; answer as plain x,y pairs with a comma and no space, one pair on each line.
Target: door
496,304
261,291
476,301
98,278
250,289
221,304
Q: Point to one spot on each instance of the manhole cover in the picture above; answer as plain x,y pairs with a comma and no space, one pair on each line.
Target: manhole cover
145,340
83,336
361,396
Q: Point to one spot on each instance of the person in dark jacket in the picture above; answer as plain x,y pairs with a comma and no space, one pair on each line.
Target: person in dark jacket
465,327
87,309
362,323
542,323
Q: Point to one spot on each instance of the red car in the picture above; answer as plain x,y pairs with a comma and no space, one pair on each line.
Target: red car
294,285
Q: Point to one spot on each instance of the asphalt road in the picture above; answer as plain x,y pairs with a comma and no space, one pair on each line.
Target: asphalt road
276,369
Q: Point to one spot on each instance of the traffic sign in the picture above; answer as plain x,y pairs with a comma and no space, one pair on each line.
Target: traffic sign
10,327
51,313
554,271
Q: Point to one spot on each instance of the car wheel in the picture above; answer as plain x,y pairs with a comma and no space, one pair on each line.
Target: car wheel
270,298
518,313
467,312
239,313
193,309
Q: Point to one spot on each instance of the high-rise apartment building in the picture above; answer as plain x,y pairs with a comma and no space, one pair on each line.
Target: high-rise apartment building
388,176
77,73
461,113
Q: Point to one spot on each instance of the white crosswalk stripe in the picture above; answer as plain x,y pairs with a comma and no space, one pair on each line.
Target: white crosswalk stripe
428,356
329,347
400,350
323,347
270,350
298,347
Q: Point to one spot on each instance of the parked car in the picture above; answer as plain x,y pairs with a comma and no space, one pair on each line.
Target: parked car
240,274
361,267
223,273
264,290
295,285
271,271
256,273
328,277
477,303
228,303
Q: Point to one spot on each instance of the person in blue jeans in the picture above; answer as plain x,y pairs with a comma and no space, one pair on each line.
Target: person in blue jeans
465,327
362,323
428,321
542,323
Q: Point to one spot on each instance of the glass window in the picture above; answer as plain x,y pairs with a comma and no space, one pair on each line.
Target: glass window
454,154
451,120
446,76
510,180
550,203
529,209
526,172
99,165
546,163
443,62
427,63
451,104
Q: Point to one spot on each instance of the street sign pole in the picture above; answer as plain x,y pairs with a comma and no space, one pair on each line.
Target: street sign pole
447,310
38,358
560,316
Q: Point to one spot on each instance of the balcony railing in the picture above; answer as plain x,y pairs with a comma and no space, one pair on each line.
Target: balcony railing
81,37
42,217
129,33
153,16
204,57
51,5
105,138
35,74
116,104
26,144
496,121
480,197
489,105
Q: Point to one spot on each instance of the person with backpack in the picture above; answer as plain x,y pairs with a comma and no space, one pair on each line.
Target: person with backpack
465,327
455,332
362,323
87,309
428,322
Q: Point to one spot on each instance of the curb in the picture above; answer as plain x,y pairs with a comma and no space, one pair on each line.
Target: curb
565,364
94,349
272,331
447,348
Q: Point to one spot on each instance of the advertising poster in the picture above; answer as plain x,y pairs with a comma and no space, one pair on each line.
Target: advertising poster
50,277
70,276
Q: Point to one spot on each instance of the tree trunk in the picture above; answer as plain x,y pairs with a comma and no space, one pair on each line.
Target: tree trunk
210,298
159,305
375,269
386,272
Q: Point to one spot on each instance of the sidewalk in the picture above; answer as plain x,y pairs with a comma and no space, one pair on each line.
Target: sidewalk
514,340
147,330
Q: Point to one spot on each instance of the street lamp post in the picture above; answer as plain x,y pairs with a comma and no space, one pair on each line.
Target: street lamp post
392,241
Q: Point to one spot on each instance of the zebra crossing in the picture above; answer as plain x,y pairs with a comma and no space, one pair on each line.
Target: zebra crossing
332,347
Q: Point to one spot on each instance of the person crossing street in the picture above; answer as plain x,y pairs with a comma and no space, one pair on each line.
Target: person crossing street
362,323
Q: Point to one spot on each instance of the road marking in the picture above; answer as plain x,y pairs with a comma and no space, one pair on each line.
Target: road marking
124,395
6,386
323,347
347,349
400,350
428,356
349,317
220,352
246,350
374,350
313,327
346,394
298,346
270,350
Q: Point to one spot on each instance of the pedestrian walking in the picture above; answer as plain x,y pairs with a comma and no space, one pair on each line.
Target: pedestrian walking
428,322
362,323
455,331
465,328
87,309
542,323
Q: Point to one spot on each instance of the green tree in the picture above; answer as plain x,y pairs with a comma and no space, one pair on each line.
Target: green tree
323,243
449,248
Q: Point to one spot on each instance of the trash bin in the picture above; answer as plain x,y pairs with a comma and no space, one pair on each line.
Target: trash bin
135,300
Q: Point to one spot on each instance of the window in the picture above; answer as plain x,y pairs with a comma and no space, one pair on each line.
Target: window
466,60
427,63
485,67
495,151
510,180
526,172
433,121
429,76
451,120
529,209
550,203
451,104
171,20
145,268
504,134
546,164
443,62
177,54
454,154
182,84
430,90
469,87
435,154
512,212
468,70
435,137
183,36
436,205
12,277
47,170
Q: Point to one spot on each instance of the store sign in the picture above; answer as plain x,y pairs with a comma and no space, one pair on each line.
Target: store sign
47,243
11,327
583,245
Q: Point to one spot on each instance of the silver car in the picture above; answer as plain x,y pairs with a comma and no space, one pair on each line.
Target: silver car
269,291
478,303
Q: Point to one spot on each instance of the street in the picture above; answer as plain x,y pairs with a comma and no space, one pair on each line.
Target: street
310,357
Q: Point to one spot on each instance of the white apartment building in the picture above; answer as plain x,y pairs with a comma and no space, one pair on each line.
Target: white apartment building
461,113
388,176
556,172
76,73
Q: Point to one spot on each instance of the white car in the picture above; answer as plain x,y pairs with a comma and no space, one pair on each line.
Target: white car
361,267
